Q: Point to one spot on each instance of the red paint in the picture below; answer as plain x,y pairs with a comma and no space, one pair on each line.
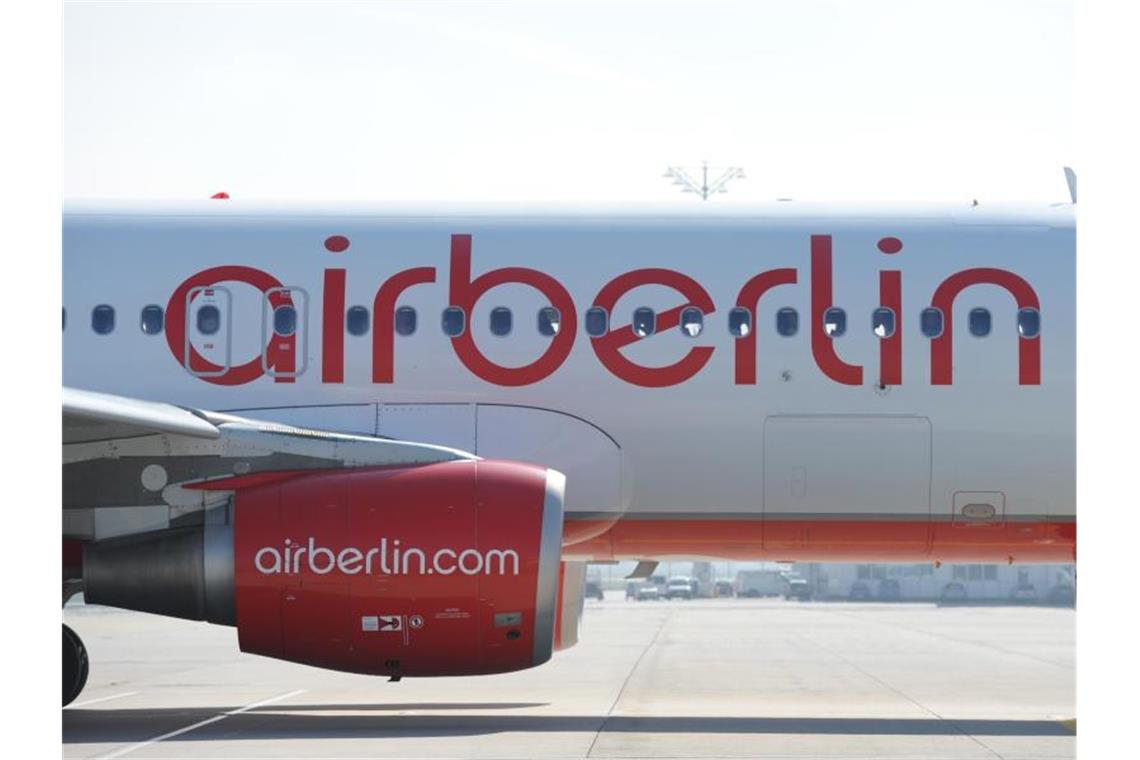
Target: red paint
942,347
890,349
336,243
466,292
749,298
316,618
384,317
890,245
279,354
822,345
220,196
830,540
332,327
608,347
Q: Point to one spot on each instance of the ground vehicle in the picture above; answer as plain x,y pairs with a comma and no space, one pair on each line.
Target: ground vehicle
859,591
954,592
798,588
755,583
594,590
641,591
723,589
889,590
679,587
660,583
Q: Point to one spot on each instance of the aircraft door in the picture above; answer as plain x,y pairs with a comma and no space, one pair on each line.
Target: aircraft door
284,332
206,350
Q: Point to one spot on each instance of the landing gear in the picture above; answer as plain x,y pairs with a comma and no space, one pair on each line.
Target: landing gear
75,665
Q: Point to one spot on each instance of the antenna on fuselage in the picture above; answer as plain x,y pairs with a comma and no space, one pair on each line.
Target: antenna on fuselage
1071,180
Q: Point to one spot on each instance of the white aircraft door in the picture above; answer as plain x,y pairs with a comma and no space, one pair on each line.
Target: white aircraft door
284,332
206,348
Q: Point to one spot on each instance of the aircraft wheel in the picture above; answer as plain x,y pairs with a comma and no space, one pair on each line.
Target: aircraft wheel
75,665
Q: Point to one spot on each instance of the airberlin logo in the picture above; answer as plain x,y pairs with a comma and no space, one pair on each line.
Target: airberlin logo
280,360
382,559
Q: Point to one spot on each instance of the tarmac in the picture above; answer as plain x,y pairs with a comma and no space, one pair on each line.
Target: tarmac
716,678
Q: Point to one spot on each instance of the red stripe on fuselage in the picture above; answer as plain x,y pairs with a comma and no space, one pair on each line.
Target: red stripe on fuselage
823,540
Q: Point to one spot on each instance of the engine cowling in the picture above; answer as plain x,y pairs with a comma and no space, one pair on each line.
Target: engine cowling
438,570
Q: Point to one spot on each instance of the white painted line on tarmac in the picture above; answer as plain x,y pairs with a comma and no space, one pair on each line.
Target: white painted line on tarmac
100,699
221,716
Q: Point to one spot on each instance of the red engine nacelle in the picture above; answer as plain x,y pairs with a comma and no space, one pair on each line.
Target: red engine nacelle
445,569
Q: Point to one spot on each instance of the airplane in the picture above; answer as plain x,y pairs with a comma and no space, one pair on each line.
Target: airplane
389,439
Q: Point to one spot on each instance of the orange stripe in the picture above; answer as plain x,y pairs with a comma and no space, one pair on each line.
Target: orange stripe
827,540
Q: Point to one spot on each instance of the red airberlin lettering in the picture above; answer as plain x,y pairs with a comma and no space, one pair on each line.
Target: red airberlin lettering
280,353
465,290
749,298
608,347
942,347
822,346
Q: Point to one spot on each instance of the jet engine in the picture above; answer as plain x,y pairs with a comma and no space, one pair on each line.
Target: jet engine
435,570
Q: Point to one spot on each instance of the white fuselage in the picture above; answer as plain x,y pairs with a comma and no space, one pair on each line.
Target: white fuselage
710,440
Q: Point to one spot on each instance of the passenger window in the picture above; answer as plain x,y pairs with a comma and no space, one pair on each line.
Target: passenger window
883,322
103,319
500,321
644,321
980,322
356,320
209,319
787,321
549,321
834,322
406,321
1029,323
285,320
65,318
930,322
454,321
151,319
739,322
692,321
597,321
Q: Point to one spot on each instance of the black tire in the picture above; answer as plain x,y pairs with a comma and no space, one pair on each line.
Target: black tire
75,665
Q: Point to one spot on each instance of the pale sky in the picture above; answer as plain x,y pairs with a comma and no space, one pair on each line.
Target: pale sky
477,101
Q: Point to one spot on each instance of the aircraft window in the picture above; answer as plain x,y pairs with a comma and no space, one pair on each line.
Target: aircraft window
549,321
356,320
65,318
692,321
454,321
284,320
739,322
834,322
151,319
103,319
209,319
500,321
1029,323
406,321
644,321
787,321
597,321
980,322
930,322
883,322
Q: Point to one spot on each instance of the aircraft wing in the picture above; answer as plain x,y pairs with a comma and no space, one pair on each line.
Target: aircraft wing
127,462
